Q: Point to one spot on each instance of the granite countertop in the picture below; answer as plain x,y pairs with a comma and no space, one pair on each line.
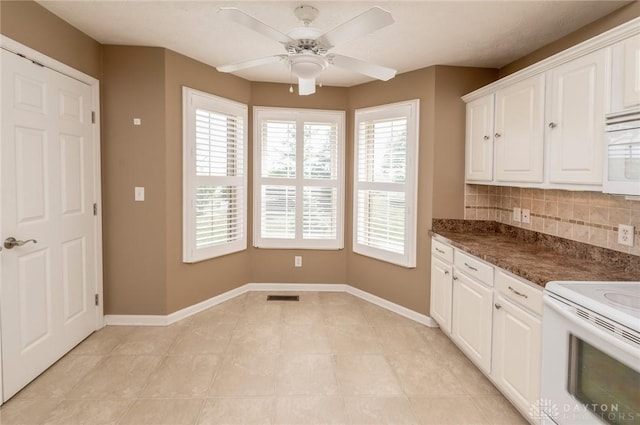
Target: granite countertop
536,257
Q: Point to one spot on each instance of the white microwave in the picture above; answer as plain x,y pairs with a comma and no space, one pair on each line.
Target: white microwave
622,158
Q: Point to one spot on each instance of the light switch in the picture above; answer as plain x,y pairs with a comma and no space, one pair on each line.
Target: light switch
139,193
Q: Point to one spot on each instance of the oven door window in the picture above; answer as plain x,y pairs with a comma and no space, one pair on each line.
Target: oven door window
603,384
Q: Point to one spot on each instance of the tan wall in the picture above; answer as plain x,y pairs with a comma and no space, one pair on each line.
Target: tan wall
608,22
32,25
440,173
189,284
134,233
450,112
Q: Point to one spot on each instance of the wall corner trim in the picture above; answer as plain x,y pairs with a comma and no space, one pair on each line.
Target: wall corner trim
165,320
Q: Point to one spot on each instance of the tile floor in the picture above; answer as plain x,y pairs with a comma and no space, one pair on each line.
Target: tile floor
330,358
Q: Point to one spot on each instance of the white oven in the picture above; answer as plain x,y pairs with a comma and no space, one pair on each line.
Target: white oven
622,162
591,353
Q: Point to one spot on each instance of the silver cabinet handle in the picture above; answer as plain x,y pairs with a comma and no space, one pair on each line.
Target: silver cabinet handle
472,268
455,277
12,242
498,306
497,135
520,294
446,272
486,137
439,250
552,125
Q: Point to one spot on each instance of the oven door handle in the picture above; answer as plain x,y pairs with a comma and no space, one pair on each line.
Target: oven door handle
590,328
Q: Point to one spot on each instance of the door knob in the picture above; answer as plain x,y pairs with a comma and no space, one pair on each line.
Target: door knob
12,242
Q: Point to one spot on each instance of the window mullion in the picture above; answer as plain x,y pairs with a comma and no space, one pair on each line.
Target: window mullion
299,178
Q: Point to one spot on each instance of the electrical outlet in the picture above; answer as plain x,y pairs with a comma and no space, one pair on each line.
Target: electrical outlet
526,216
516,214
625,234
138,194
297,261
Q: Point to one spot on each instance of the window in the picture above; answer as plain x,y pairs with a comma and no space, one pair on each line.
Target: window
214,180
298,178
385,182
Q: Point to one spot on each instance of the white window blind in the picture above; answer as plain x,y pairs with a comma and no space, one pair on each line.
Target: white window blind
214,146
298,178
385,182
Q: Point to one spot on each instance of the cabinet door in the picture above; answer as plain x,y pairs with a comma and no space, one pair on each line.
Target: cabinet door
479,139
471,321
516,353
631,72
441,293
519,131
575,124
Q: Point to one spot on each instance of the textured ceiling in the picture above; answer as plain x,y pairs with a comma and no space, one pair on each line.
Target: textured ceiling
425,33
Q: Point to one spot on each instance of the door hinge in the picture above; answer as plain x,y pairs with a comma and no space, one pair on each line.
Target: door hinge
93,117
95,209
97,299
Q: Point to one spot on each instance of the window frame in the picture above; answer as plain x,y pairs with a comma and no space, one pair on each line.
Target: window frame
411,110
300,116
192,100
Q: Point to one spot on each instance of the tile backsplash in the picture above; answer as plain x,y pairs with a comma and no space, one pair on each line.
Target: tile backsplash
589,217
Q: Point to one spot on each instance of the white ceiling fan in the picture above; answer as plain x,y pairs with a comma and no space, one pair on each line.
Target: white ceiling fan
307,47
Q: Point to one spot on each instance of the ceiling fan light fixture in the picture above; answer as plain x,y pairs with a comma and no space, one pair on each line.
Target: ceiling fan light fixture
307,65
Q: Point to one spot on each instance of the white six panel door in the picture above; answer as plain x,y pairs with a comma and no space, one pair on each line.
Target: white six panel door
48,190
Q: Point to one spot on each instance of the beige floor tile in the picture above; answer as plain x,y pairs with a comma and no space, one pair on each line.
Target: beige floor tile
455,410
163,412
259,314
27,412
246,375
424,375
379,411
473,381
60,378
182,377
359,339
212,339
312,338
255,338
366,374
344,315
302,314
496,410
154,340
116,377
309,411
339,298
227,313
238,411
306,374
402,339
102,341
88,412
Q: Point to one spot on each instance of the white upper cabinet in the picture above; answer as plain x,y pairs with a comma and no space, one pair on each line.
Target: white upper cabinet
519,131
479,140
626,75
575,119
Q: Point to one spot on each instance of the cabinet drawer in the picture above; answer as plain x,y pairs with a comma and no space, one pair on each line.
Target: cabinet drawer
441,250
474,267
519,292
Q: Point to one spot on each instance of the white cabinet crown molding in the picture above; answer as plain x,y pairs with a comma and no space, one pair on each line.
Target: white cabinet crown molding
600,41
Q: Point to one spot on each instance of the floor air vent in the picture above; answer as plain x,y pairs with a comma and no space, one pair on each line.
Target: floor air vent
283,298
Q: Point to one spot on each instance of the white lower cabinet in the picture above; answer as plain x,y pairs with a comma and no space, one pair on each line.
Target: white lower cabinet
495,319
471,321
516,353
441,293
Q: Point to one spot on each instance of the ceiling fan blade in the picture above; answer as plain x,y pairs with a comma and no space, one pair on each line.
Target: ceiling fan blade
250,63
369,69
240,17
365,23
306,86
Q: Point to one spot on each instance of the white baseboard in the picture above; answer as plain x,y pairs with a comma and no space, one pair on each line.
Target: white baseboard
160,320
